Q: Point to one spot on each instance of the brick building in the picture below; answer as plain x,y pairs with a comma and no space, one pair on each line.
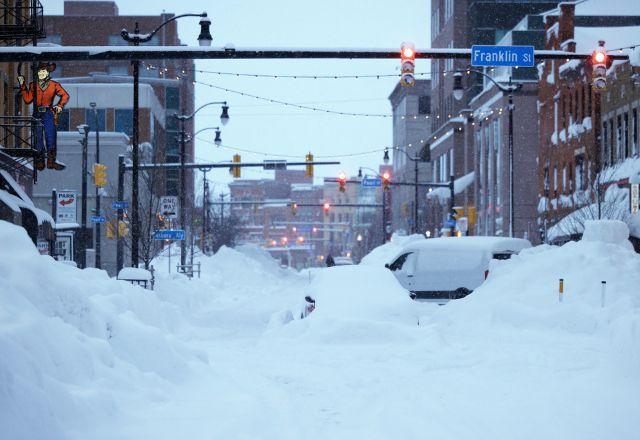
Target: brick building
577,125
461,24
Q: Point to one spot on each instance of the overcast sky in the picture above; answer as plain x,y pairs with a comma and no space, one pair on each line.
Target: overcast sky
276,129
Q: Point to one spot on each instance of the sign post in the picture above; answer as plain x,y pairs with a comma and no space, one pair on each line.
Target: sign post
635,197
502,56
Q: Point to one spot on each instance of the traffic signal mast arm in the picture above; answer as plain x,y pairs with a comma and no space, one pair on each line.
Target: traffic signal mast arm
87,53
150,166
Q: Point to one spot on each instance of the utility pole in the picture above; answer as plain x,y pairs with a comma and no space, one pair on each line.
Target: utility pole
205,207
98,208
119,239
183,191
415,198
84,130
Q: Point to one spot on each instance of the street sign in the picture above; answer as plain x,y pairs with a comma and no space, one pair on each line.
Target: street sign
43,247
462,225
119,204
169,206
274,164
503,56
66,207
371,182
98,219
169,234
450,223
635,197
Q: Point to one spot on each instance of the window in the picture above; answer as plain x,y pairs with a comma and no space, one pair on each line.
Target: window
625,134
451,164
118,69
564,179
605,140
424,105
124,121
172,98
634,133
619,139
546,178
90,119
497,145
611,142
555,178
397,265
580,172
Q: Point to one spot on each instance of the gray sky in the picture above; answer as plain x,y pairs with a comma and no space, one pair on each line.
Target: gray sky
275,129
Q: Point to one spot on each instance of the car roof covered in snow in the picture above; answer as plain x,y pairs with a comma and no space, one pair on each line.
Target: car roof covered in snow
492,244
134,274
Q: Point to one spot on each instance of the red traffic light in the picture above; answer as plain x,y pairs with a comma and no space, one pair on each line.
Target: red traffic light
599,57
326,208
407,51
342,180
386,175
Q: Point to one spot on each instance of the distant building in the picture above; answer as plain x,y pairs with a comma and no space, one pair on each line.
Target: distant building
411,131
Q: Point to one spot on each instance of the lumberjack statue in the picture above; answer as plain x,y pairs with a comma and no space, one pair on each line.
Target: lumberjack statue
47,113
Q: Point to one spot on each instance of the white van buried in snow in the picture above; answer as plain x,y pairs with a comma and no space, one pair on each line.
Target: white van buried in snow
450,267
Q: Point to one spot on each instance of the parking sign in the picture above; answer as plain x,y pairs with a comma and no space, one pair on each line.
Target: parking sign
66,207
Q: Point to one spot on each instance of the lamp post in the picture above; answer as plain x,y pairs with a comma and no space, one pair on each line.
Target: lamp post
84,131
136,38
509,89
98,207
205,208
182,119
415,160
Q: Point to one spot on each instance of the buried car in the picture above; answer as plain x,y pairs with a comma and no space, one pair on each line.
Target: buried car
447,268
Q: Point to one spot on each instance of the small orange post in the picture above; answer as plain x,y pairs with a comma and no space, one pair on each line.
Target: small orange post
560,289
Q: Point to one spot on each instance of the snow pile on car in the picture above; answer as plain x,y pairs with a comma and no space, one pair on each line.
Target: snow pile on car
383,254
355,304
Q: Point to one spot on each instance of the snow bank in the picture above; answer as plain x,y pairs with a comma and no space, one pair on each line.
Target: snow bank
383,254
522,293
78,349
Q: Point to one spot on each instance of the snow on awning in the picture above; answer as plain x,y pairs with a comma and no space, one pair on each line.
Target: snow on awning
16,199
459,185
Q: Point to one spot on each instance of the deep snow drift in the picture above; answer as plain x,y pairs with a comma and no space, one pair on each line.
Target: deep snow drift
85,356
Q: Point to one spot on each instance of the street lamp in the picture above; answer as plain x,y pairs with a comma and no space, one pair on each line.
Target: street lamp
83,129
224,119
415,160
458,92
93,106
135,37
217,140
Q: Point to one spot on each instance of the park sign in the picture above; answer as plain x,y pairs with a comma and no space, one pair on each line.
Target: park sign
66,207
502,56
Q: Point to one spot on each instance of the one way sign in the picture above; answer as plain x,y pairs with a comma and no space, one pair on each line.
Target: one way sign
169,206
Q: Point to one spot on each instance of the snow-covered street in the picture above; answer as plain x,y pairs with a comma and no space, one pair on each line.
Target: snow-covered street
85,356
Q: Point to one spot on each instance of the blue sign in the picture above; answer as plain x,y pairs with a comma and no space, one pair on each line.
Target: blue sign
98,219
503,56
169,234
303,228
371,182
119,204
450,223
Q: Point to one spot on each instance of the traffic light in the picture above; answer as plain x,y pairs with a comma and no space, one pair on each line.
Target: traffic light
123,230
326,207
599,60
235,170
386,179
407,65
99,175
294,209
309,170
342,181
